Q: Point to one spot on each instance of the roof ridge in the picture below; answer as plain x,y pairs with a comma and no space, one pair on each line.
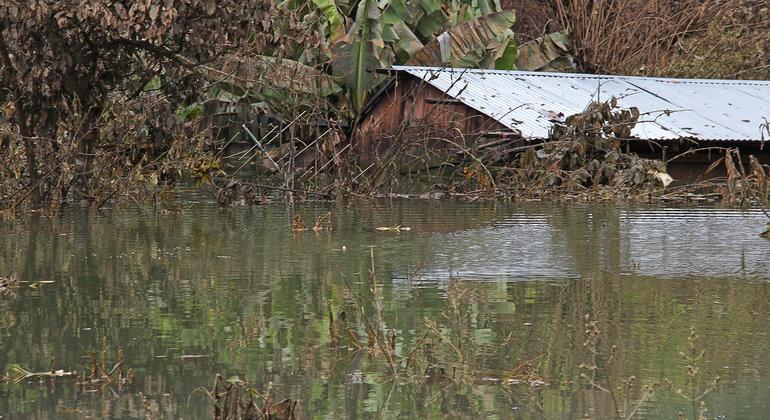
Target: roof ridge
581,75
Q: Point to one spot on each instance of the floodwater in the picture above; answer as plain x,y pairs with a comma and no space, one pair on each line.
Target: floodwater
484,306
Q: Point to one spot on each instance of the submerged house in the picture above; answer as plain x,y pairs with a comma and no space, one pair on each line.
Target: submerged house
491,106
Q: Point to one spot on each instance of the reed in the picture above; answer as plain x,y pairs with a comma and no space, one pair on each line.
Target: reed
633,36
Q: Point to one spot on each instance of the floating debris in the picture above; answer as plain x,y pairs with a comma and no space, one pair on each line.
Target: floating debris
234,398
663,177
95,376
397,228
37,284
98,377
7,284
298,224
525,372
194,356
323,221
24,374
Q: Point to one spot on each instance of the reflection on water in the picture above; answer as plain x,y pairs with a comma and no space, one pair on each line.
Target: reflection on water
245,296
565,242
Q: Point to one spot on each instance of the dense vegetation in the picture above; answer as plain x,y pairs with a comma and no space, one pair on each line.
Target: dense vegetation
113,100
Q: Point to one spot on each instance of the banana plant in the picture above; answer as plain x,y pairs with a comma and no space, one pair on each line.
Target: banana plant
467,44
279,82
397,32
360,53
457,33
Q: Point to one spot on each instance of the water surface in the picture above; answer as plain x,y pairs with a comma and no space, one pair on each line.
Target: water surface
205,291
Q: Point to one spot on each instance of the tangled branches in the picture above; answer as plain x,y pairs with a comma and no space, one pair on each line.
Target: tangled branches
585,152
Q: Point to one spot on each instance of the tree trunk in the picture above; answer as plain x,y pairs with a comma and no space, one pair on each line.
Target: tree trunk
85,153
24,122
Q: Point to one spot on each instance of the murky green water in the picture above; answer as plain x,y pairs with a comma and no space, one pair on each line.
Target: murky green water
470,292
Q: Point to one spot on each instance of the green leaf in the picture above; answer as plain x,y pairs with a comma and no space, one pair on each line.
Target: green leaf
345,6
190,112
360,53
460,46
429,6
407,45
153,84
235,380
336,22
504,51
561,39
396,18
396,11
389,35
431,23
484,7
507,60
278,82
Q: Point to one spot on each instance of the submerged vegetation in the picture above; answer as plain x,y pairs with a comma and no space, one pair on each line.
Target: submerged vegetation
453,351
99,375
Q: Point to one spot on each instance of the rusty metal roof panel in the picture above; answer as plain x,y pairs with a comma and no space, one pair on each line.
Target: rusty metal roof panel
731,110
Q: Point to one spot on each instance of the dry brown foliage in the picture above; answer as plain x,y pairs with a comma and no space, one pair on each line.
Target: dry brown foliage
630,36
236,399
734,44
64,64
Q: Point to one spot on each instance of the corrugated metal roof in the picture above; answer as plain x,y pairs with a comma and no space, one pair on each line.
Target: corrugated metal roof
671,108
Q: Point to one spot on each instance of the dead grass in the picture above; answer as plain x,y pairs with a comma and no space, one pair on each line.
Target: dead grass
235,399
733,44
631,36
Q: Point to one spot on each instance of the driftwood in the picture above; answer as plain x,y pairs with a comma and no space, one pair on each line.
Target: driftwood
24,374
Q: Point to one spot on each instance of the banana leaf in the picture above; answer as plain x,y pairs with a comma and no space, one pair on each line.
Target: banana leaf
552,52
407,44
389,36
429,6
504,51
399,11
278,82
254,73
336,22
484,7
460,46
359,53
432,22
507,58
461,11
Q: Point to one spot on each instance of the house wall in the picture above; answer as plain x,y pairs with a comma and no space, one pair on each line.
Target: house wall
412,110
690,166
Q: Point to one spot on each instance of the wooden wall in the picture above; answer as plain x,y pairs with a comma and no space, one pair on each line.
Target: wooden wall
411,107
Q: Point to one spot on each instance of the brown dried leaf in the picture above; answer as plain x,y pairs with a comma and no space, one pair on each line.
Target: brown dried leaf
713,165
154,10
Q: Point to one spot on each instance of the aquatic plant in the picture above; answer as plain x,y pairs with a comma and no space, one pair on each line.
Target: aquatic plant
694,390
596,373
235,399
97,376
